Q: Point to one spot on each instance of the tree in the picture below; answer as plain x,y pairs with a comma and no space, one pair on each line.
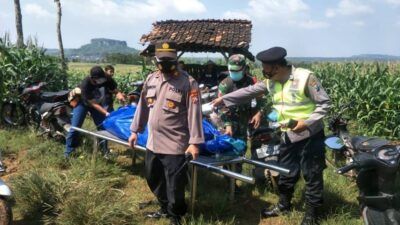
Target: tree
18,24
60,43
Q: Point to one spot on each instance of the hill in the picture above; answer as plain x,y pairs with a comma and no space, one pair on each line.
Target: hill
96,50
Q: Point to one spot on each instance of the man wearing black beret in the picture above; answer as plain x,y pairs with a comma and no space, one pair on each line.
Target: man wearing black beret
300,103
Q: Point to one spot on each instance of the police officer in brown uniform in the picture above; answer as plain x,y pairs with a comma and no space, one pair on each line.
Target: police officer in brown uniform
297,95
170,106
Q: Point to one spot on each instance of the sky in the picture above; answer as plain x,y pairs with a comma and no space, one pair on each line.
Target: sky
319,28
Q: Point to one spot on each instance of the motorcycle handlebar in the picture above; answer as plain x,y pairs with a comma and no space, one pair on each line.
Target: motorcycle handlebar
347,168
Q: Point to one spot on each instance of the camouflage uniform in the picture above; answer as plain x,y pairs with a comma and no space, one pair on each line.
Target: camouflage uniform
236,116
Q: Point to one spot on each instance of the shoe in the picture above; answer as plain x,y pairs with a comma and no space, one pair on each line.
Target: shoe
157,215
277,210
173,220
311,217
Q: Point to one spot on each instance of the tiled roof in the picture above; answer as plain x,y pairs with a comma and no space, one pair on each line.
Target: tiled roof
231,36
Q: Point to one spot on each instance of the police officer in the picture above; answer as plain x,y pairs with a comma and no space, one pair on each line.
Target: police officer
297,95
170,106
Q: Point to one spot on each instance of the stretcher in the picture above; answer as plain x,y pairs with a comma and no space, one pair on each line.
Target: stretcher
211,164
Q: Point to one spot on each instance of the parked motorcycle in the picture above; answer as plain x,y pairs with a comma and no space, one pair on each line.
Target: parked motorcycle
265,143
134,95
49,111
5,196
209,112
376,163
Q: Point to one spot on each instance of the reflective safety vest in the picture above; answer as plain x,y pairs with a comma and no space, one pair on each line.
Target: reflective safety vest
289,100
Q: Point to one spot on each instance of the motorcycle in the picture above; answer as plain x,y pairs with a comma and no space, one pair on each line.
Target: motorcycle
265,147
209,112
376,163
5,196
134,95
265,143
49,111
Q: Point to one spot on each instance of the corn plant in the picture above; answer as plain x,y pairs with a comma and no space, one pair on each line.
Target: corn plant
29,63
372,87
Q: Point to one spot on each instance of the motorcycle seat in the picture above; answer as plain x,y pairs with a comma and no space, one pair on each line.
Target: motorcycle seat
363,143
46,107
55,96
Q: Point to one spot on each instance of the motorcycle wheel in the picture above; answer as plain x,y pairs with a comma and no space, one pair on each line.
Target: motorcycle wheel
12,114
5,212
57,132
32,118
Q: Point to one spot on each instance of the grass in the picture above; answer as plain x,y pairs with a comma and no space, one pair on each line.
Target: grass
120,69
49,190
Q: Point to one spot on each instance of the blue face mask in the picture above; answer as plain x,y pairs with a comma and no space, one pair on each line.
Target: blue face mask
236,76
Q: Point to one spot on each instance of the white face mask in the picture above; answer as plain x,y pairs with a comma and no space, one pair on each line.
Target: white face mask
236,75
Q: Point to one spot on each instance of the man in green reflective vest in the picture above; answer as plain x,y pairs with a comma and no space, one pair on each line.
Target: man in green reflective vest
297,95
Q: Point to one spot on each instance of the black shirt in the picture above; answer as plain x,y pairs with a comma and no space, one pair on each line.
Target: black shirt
96,92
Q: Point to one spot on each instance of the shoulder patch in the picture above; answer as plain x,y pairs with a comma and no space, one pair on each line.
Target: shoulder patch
194,96
313,83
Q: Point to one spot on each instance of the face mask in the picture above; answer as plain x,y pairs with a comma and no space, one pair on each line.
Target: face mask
167,66
236,76
269,74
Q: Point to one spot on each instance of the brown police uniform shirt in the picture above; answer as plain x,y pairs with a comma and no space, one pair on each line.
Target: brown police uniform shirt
314,91
171,108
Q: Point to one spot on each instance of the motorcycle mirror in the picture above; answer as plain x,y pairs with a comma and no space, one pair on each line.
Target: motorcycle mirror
201,86
138,83
334,143
214,88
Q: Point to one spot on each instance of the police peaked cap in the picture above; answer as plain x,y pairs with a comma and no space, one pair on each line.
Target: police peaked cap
272,55
166,49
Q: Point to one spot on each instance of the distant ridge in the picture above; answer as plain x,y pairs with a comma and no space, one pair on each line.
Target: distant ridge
96,49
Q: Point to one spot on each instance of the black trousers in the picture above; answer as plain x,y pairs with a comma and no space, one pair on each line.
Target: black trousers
166,177
306,156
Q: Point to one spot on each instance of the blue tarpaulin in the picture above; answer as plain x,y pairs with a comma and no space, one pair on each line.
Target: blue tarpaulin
118,123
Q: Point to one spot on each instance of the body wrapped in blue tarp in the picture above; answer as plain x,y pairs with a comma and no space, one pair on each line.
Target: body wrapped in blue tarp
118,123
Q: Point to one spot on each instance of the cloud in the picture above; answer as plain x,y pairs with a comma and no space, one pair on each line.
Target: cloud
311,24
276,8
129,11
293,13
189,6
359,23
235,15
37,11
394,2
348,8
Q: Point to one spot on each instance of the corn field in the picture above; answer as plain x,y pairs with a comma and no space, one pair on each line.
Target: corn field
371,87
373,90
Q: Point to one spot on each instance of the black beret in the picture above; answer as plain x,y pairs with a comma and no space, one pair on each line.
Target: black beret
166,49
272,55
